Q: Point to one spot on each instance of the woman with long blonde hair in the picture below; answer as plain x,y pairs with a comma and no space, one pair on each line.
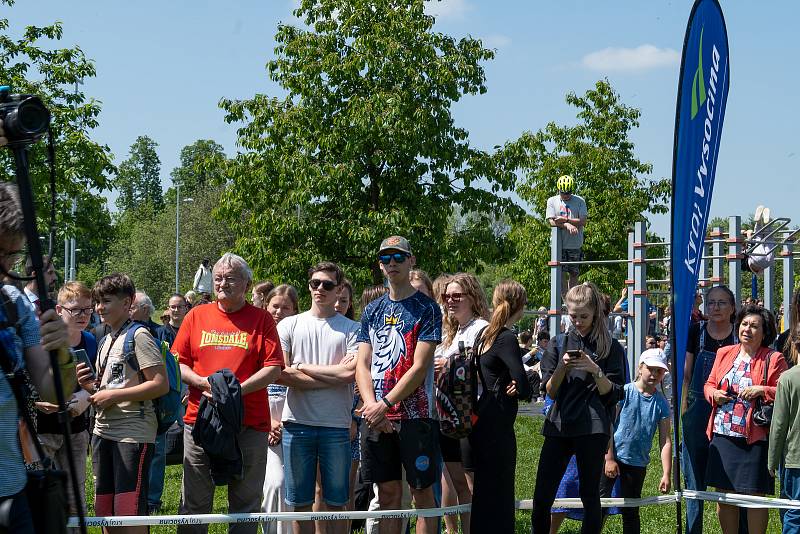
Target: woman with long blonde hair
465,314
583,371
421,281
280,302
493,443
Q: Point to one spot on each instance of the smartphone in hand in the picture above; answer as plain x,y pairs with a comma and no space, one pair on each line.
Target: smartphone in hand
81,356
574,354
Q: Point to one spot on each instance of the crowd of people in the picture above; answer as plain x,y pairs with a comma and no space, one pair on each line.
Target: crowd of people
301,410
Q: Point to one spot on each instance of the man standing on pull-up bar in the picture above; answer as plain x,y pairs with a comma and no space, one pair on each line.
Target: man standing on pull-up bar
567,211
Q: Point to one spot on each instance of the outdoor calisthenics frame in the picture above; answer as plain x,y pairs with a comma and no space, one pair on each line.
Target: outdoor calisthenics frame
775,235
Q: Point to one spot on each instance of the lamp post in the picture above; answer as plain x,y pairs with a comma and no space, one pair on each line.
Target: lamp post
178,232
73,264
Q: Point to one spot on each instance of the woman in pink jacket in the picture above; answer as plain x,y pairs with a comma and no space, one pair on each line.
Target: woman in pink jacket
737,456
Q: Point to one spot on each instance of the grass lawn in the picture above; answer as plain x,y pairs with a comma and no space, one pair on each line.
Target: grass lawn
655,519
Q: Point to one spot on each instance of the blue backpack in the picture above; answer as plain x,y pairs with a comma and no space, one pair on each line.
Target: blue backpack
167,406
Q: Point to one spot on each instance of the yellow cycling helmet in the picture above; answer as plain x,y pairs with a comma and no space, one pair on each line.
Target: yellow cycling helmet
566,184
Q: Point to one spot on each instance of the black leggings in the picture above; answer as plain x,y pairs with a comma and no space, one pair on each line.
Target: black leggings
589,454
631,481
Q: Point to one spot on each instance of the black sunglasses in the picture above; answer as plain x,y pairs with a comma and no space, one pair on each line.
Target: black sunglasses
327,285
398,257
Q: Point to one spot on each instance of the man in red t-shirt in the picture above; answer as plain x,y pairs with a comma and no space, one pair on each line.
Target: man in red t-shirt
232,334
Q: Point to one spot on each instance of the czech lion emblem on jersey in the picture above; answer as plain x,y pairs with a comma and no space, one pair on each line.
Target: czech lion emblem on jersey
390,344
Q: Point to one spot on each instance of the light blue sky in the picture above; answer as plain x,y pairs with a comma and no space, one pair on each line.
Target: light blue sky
163,66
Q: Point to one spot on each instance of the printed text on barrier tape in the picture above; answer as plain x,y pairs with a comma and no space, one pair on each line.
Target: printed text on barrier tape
204,519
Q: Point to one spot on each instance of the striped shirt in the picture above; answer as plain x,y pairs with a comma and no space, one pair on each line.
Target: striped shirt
27,335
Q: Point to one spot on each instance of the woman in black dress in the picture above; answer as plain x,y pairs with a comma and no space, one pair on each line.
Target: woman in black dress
494,445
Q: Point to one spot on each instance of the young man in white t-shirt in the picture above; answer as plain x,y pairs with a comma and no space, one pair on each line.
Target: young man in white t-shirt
567,211
320,347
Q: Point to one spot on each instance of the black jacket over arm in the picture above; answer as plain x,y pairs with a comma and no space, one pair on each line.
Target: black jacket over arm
218,426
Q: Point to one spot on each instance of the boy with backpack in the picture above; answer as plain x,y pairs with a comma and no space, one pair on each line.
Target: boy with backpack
130,375
643,410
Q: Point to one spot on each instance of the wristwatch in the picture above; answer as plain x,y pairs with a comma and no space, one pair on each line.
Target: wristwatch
600,374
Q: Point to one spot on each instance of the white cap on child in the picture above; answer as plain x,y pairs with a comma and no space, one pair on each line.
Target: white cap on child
654,358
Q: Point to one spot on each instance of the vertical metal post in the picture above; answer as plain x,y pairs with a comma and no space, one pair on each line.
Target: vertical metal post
640,302
66,258
629,322
735,255
716,251
769,288
177,233
69,252
702,279
788,284
556,280
72,259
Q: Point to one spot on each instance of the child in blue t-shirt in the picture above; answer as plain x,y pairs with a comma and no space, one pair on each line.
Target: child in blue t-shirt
641,411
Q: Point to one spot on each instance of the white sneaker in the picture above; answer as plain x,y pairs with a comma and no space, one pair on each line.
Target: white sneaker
757,218
765,215
759,213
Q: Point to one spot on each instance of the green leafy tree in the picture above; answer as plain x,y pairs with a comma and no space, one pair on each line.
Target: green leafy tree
33,64
363,145
145,249
138,179
202,165
599,154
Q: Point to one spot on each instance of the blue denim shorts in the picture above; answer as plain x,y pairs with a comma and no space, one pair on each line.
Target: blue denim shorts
304,446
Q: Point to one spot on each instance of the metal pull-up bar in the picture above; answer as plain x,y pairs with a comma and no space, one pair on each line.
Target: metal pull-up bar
775,233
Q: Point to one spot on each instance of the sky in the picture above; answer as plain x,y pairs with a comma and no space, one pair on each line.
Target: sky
162,68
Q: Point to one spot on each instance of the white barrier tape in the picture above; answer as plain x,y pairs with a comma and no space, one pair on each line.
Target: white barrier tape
741,500
613,502
734,499
205,519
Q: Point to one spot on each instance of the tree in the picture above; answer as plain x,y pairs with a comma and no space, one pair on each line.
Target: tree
599,154
139,177
363,145
145,248
202,165
31,65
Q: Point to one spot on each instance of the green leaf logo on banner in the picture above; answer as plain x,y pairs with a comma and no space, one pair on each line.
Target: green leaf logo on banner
698,86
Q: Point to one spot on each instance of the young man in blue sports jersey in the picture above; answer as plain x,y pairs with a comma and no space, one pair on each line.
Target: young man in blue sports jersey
399,332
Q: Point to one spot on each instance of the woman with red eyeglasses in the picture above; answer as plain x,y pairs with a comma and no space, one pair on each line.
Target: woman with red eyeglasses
465,313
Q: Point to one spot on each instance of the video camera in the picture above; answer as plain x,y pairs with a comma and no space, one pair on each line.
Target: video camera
25,117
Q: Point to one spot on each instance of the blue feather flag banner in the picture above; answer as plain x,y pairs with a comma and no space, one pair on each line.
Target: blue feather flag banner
702,95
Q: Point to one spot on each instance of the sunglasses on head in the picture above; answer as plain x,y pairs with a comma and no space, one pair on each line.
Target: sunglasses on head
398,257
327,285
